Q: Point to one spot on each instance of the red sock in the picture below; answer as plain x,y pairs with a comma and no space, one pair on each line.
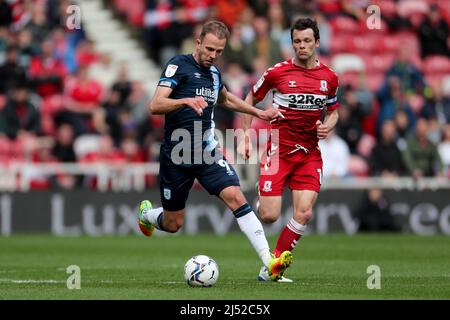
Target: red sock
289,237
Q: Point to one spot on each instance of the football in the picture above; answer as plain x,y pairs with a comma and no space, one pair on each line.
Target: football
201,271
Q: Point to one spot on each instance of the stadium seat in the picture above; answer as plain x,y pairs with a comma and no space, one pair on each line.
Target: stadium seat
374,80
376,63
436,64
349,77
410,39
365,145
135,12
347,62
52,104
325,60
446,85
343,24
157,121
342,43
4,146
389,43
2,102
407,8
434,77
388,8
369,123
366,43
121,5
357,166
414,10
85,144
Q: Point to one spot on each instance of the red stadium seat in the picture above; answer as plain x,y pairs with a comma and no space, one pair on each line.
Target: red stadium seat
342,43
135,12
369,123
432,78
344,24
349,78
376,63
357,166
121,5
389,43
52,104
2,102
325,60
436,64
365,145
388,8
407,8
414,10
4,146
374,80
366,43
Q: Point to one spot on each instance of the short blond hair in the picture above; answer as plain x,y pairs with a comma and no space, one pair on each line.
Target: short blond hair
218,28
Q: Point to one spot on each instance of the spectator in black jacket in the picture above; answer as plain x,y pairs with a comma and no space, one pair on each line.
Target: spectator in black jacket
5,14
433,34
386,158
11,73
21,113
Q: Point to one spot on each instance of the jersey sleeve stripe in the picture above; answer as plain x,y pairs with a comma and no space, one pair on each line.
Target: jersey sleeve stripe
168,79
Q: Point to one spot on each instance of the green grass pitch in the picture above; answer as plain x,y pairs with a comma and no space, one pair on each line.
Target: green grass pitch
325,267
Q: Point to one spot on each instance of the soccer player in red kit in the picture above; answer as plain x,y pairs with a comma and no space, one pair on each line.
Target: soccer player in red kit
304,91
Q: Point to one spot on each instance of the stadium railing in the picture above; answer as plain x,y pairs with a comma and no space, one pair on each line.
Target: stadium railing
132,177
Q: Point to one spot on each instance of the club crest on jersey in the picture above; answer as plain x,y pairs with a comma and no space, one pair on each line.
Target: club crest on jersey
323,85
170,71
267,186
167,194
292,84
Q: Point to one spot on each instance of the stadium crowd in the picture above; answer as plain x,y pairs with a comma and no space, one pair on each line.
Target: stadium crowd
394,80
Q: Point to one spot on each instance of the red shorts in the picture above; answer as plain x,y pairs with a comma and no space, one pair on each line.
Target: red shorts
305,173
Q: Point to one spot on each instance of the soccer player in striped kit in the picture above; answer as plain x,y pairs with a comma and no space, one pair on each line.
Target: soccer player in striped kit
304,91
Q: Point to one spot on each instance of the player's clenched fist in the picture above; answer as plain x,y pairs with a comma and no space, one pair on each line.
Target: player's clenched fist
270,114
197,103
322,130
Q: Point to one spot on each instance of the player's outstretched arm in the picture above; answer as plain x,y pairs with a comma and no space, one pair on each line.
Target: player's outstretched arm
245,146
161,103
246,119
232,102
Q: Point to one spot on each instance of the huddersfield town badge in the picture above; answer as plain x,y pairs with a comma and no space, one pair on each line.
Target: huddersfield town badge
167,194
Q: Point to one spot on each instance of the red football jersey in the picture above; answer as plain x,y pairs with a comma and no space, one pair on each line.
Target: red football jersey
301,94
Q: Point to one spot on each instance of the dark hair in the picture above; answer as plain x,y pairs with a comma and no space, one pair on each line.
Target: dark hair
306,23
219,29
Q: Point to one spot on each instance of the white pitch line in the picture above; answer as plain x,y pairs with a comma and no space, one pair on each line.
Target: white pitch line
20,281
30,281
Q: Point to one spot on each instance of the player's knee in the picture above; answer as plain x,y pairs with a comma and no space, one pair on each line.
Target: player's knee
267,216
303,216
